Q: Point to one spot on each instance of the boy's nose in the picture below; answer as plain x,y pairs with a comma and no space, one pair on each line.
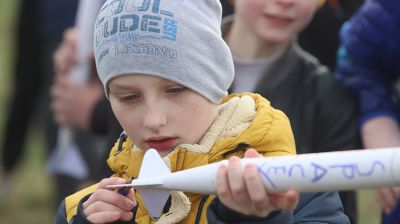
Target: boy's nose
285,2
154,119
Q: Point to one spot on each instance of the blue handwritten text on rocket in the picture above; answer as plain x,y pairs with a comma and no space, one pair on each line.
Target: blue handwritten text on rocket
348,171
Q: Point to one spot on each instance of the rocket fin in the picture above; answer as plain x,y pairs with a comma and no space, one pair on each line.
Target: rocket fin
153,165
154,200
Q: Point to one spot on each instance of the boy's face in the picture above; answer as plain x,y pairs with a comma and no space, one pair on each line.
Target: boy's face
275,21
158,113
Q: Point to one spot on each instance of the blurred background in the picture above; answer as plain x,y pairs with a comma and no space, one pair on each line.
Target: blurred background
30,199
31,195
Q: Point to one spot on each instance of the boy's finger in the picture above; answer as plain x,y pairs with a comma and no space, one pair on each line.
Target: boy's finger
223,189
114,198
110,181
293,198
109,196
131,195
237,183
251,153
258,195
126,216
104,217
100,206
285,201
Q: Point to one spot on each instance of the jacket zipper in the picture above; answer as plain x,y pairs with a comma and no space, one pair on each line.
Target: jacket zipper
200,210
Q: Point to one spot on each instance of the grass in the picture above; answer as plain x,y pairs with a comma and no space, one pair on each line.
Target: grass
368,209
6,34
31,198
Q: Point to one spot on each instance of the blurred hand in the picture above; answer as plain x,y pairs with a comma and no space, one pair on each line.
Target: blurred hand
108,206
72,103
388,198
233,186
65,55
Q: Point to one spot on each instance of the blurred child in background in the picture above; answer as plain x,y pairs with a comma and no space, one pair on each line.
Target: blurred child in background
268,60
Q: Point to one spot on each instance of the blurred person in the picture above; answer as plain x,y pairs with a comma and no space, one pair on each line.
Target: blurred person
320,37
369,65
268,60
189,120
40,27
77,165
82,106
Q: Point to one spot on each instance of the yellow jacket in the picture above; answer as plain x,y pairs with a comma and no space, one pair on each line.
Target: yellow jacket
244,120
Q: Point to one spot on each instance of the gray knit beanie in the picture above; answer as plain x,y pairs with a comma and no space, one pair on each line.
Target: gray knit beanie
179,40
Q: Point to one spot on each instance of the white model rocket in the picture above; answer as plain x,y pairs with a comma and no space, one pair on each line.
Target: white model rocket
331,171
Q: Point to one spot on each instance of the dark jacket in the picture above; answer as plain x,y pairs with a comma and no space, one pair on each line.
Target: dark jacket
320,37
309,210
322,114
54,16
104,122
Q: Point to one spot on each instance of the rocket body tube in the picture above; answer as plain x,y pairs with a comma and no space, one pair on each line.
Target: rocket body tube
332,171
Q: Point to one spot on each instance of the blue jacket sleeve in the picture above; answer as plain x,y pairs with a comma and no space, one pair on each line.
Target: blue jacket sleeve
369,57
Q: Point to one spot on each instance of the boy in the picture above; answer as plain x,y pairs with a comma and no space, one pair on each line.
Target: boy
166,71
262,37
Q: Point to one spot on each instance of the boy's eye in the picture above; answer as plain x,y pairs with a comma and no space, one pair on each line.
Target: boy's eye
176,89
129,98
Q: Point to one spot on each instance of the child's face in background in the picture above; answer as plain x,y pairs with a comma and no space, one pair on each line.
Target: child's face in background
158,113
275,21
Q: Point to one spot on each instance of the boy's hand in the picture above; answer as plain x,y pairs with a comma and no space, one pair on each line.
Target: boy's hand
244,191
107,206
